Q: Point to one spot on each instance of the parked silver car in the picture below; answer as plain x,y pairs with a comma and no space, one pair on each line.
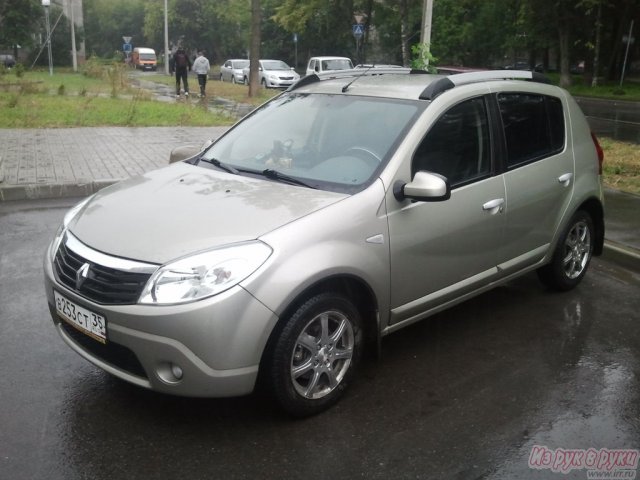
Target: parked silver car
337,213
273,74
232,70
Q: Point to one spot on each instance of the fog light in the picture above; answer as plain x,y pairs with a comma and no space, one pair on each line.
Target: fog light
176,371
170,373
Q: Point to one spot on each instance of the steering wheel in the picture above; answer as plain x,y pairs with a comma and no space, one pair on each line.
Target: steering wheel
370,158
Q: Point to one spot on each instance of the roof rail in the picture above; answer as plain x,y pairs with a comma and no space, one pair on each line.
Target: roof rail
353,73
436,88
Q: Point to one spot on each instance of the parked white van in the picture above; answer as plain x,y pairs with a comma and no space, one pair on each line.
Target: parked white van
144,58
325,64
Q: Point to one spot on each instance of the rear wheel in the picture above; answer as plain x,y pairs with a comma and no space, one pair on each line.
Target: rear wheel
572,254
314,358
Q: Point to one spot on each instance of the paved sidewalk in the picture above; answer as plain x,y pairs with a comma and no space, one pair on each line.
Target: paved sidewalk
65,162
75,162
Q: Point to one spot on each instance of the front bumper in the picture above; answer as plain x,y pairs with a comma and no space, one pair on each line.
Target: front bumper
216,343
279,83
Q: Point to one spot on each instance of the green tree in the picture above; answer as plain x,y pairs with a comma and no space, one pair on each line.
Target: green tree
18,20
107,21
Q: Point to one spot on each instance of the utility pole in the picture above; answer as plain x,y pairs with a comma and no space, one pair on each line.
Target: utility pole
425,37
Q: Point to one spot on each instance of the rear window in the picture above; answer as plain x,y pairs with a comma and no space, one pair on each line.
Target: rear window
533,126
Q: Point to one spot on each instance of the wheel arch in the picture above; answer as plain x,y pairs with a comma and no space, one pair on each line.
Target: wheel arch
355,289
595,209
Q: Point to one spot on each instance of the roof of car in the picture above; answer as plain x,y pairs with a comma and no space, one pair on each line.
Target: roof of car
329,57
401,82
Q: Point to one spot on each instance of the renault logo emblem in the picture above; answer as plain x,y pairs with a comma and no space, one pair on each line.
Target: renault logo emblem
81,275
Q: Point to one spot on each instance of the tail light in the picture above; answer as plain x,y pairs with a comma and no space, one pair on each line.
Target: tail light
600,152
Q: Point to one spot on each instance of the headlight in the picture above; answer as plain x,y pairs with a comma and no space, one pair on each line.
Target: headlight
204,274
68,217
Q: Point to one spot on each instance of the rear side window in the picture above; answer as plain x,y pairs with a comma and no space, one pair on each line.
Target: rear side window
533,126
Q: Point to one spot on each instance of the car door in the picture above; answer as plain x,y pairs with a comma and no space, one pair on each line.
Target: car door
539,175
441,250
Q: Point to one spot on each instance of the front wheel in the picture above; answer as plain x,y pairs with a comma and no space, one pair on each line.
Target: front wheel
572,254
313,360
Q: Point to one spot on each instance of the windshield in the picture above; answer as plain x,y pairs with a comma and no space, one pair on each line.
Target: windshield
336,64
238,64
331,142
147,56
274,65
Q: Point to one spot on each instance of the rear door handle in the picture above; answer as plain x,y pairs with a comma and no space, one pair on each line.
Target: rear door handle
565,179
494,206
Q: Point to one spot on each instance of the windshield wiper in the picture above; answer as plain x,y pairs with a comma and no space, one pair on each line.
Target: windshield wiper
222,166
283,177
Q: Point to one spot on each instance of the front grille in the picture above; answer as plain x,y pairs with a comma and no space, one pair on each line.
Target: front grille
112,353
102,284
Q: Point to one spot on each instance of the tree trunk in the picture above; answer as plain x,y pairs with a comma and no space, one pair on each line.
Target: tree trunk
565,74
254,49
596,56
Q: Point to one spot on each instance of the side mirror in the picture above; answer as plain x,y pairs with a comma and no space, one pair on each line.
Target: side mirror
185,152
425,187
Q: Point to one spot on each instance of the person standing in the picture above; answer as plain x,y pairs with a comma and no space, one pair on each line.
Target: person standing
182,66
201,67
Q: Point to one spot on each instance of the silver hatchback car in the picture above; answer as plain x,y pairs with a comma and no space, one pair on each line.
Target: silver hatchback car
232,70
344,209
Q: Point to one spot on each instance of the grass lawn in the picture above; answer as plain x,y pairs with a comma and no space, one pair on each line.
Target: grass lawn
67,99
621,165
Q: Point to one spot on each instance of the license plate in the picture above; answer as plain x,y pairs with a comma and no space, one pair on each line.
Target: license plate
88,322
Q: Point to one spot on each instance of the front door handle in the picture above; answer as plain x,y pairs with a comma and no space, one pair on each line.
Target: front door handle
494,206
565,179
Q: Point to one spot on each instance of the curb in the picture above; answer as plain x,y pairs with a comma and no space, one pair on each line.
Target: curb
622,255
53,190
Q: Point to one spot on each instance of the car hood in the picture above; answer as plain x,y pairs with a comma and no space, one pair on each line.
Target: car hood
181,209
280,72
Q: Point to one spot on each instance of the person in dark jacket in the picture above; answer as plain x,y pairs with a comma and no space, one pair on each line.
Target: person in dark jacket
182,66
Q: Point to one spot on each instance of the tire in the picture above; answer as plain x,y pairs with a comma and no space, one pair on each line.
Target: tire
263,83
314,357
246,81
233,79
572,254
221,78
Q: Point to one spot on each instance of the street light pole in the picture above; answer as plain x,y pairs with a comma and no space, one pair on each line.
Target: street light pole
74,54
46,4
166,40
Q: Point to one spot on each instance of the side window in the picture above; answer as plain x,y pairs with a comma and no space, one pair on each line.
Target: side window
458,145
533,126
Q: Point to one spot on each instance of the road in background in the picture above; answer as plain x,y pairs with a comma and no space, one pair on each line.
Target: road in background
619,120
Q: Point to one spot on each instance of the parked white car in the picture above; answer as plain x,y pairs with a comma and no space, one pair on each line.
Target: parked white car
273,74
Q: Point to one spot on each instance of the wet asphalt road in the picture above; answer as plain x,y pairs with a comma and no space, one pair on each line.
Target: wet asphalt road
464,395
619,120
